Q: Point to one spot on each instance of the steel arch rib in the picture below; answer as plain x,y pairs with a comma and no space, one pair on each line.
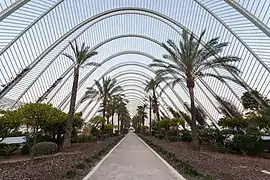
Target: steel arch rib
146,67
111,57
48,50
143,75
141,94
12,8
257,22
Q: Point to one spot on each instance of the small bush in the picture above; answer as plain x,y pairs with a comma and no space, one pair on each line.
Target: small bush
89,160
186,136
108,129
247,144
80,166
45,148
25,149
7,149
70,174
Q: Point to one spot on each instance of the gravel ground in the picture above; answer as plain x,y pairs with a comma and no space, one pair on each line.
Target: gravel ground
221,166
51,167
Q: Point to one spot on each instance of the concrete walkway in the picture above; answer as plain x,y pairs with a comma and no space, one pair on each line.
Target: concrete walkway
132,159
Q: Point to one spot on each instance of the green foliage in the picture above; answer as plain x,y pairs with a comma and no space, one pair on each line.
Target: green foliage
97,121
45,148
176,122
25,149
70,174
186,136
247,144
108,129
250,103
8,149
10,121
80,166
237,123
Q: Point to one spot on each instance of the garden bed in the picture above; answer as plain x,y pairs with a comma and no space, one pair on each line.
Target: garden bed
213,164
72,163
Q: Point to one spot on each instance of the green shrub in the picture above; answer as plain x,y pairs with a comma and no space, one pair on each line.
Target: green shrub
247,144
70,174
80,166
45,148
186,136
25,149
8,149
108,129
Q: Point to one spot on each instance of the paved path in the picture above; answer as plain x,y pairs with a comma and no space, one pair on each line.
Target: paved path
133,160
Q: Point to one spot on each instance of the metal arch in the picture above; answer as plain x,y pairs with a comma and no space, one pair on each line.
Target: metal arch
137,95
83,80
88,114
257,22
143,75
235,35
48,50
107,59
28,27
136,85
146,67
149,77
12,8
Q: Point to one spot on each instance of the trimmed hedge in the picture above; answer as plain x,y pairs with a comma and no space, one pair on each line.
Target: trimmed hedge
45,148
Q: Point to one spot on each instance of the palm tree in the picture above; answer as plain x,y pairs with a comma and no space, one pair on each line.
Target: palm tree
105,92
191,60
79,59
152,85
123,114
141,112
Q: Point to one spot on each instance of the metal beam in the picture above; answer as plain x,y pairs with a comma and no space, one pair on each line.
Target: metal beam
12,8
257,22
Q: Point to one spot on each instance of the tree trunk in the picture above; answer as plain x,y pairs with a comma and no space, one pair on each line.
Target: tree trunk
112,119
150,114
195,140
68,129
33,149
104,113
156,106
118,123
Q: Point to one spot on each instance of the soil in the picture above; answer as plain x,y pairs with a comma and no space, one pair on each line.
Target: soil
219,165
52,167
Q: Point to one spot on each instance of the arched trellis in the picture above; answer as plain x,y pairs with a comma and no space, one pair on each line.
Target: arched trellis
83,80
148,68
136,99
140,74
100,15
139,93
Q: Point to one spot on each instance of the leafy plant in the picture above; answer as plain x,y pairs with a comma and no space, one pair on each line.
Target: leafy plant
70,174
45,148
80,166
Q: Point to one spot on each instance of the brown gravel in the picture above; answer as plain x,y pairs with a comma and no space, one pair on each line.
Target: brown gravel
222,166
51,167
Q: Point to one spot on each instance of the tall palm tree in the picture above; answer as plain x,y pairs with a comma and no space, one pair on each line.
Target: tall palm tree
141,112
191,60
152,85
79,58
105,92
123,114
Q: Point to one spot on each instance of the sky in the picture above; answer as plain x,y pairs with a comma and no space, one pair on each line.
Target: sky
70,13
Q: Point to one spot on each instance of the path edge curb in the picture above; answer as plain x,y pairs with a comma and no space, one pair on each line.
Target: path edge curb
102,160
175,173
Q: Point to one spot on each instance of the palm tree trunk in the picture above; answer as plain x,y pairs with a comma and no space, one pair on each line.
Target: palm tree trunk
156,105
68,129
195,140
150,114
112,119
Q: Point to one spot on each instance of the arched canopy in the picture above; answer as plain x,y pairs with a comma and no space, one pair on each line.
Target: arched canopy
33,35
